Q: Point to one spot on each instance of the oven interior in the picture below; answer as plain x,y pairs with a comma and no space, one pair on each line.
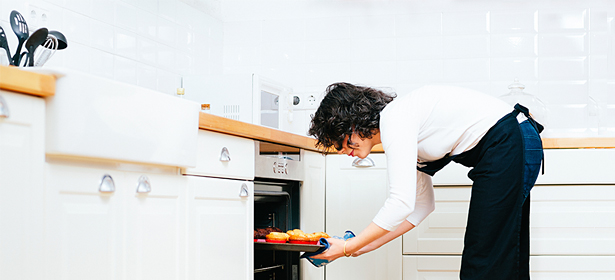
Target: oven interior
276,204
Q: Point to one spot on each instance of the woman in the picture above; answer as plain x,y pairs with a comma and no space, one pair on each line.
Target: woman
436,125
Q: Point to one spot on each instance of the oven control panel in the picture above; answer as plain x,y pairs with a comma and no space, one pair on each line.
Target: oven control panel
280,167
276,161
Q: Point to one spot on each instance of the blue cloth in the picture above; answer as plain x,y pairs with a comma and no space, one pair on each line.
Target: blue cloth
323,241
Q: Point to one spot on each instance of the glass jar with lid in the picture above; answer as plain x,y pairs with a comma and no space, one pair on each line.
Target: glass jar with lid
538,110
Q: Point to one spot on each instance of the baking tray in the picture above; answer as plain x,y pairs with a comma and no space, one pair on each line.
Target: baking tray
287,247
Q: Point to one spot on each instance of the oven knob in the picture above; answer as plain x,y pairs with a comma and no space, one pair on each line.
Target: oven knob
275,165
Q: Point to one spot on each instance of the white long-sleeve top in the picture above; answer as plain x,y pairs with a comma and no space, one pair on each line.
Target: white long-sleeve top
426,125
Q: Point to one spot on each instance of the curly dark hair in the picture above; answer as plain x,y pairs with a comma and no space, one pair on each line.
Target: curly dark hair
344,109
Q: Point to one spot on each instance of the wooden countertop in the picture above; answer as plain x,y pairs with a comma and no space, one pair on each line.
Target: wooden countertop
14,79
257,132
238,128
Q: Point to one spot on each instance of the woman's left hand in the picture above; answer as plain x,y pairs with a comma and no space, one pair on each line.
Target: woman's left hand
336,250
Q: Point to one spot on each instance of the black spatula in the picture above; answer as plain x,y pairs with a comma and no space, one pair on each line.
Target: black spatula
20,27
38,37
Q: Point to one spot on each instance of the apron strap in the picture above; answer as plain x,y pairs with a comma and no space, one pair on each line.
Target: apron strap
430,168
522,109
539,128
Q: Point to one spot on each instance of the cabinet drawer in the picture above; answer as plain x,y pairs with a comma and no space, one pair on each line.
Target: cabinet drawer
561,166
218,189
564,220
225,156
573,220
541,267
443,230
74,179
81,177
141,184
23,109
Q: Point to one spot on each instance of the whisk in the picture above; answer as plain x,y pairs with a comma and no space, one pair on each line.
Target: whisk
45,50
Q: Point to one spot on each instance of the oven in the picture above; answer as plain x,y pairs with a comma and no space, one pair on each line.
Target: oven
279,173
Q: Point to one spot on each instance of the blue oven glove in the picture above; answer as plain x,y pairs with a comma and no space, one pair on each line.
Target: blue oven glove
323,241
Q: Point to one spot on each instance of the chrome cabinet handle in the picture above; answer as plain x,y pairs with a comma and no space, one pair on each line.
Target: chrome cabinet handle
4,108
363,163
106,184
244,190
224,155
144,185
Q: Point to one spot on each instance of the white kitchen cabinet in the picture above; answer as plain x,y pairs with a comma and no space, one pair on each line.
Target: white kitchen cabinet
443,230
354,195
21,186
573,220
541,267
220,228
83,225
110,231
155,241
312,206
565,219
572,225
223,156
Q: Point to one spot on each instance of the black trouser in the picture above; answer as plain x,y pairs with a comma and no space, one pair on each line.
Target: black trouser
496,244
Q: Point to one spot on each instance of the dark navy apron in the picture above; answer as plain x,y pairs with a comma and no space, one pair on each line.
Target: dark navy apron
505,164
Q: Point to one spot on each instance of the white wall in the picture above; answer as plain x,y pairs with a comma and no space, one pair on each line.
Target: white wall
151,43
561,50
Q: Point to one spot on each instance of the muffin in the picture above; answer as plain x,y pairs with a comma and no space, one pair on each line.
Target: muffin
277,237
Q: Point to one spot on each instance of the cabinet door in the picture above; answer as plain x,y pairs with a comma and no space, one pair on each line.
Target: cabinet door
22,157
220,228
155,226
312,206
443,230
354,195
83,220
573,220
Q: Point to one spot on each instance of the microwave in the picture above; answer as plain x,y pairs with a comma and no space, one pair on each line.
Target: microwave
248,98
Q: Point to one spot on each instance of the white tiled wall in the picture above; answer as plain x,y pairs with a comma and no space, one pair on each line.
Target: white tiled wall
562,51
151,43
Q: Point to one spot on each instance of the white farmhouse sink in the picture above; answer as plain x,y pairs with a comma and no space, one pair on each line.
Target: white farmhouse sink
95,117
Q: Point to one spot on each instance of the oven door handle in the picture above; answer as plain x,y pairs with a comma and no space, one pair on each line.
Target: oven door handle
363,162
